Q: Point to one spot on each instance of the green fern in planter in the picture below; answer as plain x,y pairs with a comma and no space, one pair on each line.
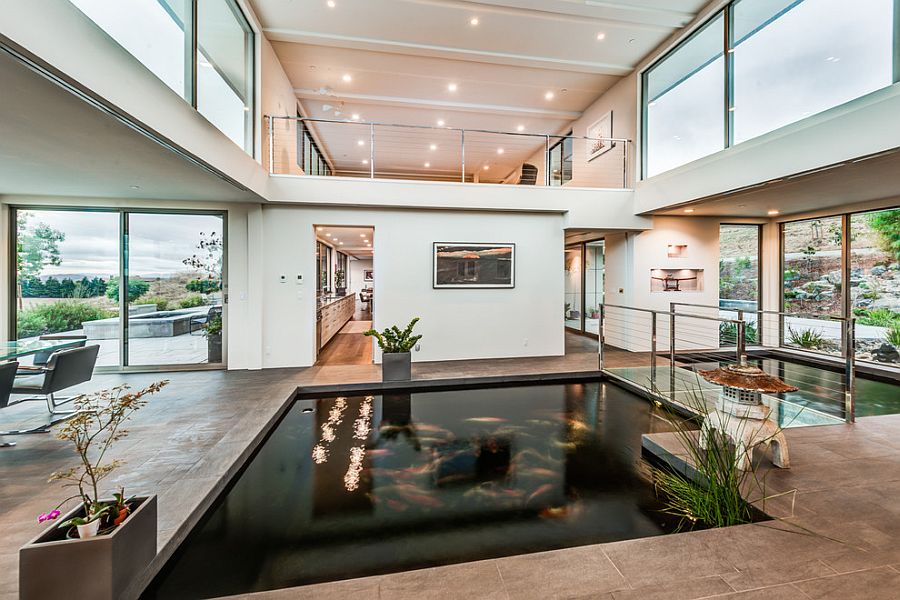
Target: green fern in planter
394,341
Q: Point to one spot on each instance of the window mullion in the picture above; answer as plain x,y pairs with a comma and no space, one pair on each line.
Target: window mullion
729,76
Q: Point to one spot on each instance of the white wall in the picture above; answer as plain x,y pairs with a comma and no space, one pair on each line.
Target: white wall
357,281
456,324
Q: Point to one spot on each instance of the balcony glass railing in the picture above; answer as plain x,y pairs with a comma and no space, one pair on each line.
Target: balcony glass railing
302,146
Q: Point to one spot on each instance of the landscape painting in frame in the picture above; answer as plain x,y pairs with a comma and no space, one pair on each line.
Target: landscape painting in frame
474,265
601,128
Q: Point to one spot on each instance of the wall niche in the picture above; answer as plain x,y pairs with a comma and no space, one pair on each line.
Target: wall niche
676,280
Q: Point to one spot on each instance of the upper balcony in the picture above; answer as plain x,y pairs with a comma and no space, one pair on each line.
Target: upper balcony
352,148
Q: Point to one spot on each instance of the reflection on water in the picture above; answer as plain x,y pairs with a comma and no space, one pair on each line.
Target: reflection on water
377,484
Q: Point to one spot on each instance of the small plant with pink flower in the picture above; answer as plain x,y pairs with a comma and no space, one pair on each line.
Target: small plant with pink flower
93,430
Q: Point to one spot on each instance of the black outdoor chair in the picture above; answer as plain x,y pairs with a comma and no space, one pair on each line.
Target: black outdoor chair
39,360
529,175
64,369
201,321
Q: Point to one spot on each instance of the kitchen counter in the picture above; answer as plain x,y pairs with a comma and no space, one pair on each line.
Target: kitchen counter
332,313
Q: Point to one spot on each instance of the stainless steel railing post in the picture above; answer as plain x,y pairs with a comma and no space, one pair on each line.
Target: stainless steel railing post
547,161
672,350
849,331
740,348
600,335
371,150
462,142
271,120
653,349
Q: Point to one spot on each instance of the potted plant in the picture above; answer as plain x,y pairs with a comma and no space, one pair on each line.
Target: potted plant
340,282
396,361
213,335
103,544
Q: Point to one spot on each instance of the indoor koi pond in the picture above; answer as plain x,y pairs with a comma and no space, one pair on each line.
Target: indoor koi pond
362,485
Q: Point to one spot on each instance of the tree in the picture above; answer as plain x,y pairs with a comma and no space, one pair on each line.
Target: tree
36,248
887,224
208,261
136,289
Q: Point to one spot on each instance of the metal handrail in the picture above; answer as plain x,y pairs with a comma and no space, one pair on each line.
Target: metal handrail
763,311
460,129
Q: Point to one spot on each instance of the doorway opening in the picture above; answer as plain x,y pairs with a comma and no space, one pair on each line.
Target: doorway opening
345,294
584,281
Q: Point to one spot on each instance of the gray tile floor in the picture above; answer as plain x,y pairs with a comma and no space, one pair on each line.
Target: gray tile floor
186,443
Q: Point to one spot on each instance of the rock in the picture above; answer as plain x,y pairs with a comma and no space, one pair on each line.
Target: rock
877,271
886,353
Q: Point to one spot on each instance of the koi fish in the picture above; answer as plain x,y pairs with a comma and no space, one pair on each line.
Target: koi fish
395,505
423,500
547,487
379,452
537,472
486,420
554,512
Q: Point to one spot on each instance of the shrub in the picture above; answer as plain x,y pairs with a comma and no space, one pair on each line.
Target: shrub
892,335
728,334
809,339
192,301
887,224
878,317
392,340
160,302
57,317
203,286
136,289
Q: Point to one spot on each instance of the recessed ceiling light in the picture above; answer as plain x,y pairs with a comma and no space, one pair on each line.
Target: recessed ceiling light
330,3
355,116
365,161
327,235
318,229
549,95
689,210
427,165
366,241
432,147
500,150
473,21
773,212
347,77
360,143
340,243
451,87
368,245
486,167
520,128
601,36
440,122
334,239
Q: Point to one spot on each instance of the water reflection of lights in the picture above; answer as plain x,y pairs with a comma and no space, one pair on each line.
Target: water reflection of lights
361,428
335,416
362,425
351,478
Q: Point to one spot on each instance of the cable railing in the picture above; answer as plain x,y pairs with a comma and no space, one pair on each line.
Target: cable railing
364,149
660,353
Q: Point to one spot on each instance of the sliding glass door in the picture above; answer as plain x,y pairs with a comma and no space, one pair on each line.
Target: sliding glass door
585,267
148,288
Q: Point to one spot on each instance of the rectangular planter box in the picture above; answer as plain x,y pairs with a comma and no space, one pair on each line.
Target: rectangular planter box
99,568
396,366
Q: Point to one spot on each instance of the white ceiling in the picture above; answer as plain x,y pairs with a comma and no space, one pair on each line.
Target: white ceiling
54,143
401,56
349,240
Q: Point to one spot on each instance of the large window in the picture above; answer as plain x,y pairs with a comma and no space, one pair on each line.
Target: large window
786,70
69,280
758,65
739,252
309,157
559,161
217,78
684,119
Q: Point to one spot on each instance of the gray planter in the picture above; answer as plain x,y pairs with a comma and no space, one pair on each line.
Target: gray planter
396,366
53,566
214,348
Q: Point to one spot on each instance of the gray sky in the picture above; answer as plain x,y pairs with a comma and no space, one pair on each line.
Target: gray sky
158,243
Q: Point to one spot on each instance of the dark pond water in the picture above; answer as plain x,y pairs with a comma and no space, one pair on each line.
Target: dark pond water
355,486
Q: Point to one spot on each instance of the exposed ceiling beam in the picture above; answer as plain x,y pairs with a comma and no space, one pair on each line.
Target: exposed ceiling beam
398,47
631,20
307,94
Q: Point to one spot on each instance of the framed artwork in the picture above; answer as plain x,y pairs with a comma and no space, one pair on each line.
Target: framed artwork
601,128
474,265
368,275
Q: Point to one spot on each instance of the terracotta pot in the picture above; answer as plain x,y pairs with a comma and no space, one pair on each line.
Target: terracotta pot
100,567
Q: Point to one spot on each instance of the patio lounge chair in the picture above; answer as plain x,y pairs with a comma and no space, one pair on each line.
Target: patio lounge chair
64,369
